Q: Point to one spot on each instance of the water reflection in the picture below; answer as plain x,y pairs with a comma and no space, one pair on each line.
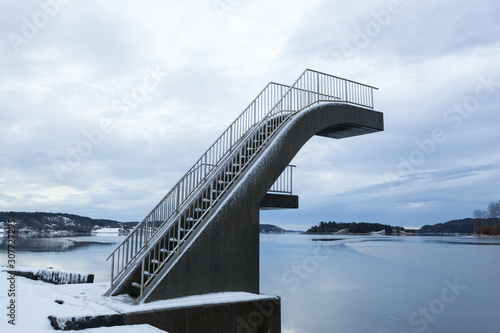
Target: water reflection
473,241
354,284
57,244
76,254
379,284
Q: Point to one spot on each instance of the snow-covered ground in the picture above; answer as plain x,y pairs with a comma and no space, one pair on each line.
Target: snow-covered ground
35,301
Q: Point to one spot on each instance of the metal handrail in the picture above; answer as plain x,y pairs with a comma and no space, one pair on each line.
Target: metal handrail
171,202
310,88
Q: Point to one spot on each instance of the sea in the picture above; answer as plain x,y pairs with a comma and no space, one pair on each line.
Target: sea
347,283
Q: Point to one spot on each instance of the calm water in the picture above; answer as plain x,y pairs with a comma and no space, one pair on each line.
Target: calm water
348,283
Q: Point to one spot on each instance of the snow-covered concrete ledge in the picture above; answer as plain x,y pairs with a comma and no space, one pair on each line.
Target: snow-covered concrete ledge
218,312
51,275
126,329
85,305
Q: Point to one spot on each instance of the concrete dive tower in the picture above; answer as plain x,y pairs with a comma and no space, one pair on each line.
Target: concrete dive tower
203,236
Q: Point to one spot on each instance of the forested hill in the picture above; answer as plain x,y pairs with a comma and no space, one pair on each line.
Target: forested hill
270,229
353,228
464,226
46,222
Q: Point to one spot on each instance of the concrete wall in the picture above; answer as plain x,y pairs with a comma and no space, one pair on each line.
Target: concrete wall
225,255
263,316
250,314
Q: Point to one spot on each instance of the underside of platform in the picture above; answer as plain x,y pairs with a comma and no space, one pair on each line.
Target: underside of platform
273,201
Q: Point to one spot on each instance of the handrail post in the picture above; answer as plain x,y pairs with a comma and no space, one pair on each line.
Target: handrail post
317,86
345,91
371,92
142,278
231,139
112,270
128,250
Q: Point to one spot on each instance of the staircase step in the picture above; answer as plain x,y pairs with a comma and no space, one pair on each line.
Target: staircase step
155,261
164,251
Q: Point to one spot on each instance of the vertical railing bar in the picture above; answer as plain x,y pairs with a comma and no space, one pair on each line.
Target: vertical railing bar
112,270
142,279
317,86
128,249
123,257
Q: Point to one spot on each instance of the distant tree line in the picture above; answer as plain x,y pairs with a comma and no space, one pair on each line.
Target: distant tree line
483,222
463,226
44,222
353,227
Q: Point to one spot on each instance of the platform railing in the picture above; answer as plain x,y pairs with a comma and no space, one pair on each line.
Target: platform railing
275,99
284,183
314,87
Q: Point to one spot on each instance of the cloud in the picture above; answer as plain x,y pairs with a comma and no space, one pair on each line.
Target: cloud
85,67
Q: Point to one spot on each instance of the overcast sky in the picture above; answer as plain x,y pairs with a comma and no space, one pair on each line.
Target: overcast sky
106,104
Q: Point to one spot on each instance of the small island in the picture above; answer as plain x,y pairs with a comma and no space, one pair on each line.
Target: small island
482,223
354,228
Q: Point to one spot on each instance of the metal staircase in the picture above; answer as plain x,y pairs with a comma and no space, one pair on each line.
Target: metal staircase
155,242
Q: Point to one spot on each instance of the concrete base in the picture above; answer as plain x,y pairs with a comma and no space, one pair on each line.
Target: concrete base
242,317
234,312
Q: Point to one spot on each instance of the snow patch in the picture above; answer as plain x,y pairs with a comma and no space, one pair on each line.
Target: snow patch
36,301
106,231
144,328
